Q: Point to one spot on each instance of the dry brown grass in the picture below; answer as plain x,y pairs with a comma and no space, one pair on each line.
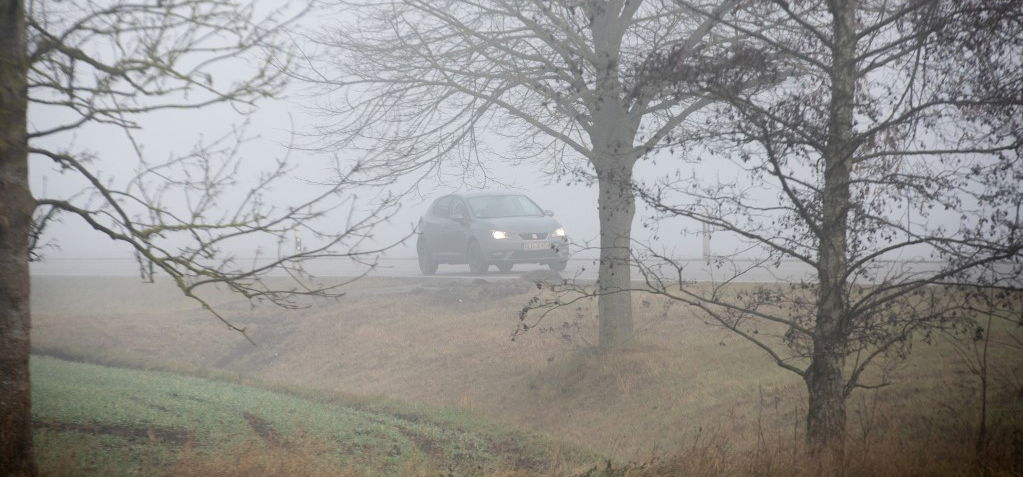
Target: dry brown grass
450,345
928,455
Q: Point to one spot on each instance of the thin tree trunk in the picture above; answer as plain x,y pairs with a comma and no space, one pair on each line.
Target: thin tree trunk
825,378
16,205
982,368
616,207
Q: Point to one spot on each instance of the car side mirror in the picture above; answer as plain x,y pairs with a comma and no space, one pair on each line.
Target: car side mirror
459,217
549,213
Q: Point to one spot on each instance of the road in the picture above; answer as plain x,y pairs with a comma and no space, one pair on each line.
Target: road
580,269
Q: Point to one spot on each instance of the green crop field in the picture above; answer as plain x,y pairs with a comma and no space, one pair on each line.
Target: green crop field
97,420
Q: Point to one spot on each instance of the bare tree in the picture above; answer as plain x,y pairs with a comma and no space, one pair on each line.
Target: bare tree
103,66
877,106
832,120
418,84
991,328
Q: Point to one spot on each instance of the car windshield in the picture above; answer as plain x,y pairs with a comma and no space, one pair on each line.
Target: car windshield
492,207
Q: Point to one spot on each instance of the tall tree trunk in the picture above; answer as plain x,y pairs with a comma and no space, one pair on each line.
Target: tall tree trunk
612,136
616,208
825,378
16,207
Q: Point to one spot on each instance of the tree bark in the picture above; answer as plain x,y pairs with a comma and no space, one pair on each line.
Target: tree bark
616,208
825,417
16,206
825,379
612,137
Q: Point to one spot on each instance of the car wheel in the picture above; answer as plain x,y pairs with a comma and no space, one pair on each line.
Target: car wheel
558,266
427,264
505,267
477,262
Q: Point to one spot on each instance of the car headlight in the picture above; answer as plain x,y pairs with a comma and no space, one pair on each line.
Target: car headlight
560,232
499,235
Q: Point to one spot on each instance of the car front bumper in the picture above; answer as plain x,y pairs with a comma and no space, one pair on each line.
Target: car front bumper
526,251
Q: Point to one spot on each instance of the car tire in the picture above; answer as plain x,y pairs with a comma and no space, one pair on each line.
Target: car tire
427,264
477,262
558,266
505,267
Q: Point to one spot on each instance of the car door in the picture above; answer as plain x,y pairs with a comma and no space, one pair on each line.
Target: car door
457,230
434,223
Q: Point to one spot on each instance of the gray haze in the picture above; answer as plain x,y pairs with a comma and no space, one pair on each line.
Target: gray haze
165,134
275,126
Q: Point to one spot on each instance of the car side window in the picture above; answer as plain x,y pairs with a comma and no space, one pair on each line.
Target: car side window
458,209
442,208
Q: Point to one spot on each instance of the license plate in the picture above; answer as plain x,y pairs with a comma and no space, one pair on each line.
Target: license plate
536,245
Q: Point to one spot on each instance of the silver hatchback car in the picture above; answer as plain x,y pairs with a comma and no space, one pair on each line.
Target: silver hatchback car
489,228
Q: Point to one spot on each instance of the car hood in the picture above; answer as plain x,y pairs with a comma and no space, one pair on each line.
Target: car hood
521,224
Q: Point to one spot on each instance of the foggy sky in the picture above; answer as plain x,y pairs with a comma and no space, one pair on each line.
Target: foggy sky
167,133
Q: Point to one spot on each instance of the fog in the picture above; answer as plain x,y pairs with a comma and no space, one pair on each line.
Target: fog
276,129
284,128
823,274
291,127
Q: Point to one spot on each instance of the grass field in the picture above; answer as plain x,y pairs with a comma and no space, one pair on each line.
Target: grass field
99,420
683,388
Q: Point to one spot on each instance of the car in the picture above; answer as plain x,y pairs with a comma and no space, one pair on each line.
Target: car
489,228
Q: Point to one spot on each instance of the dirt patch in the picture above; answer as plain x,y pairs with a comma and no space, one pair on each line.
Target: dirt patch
154,434
264,430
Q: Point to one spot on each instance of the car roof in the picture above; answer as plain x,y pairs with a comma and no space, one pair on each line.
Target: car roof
485,193
474,194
